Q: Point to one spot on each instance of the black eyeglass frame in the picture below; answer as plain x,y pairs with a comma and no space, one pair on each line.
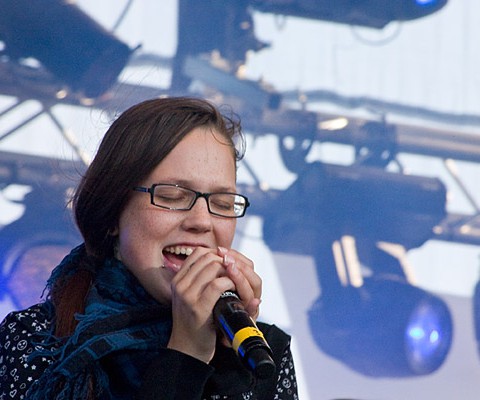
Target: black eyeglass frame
206,196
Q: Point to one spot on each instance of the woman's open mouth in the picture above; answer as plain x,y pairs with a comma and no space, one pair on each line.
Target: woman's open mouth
176,255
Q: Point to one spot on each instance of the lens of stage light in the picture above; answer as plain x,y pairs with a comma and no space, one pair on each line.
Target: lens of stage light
427,334
425,2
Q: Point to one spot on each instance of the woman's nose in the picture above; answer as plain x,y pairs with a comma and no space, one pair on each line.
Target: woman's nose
198,217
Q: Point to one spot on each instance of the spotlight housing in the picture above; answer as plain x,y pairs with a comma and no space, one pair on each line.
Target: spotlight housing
66,41
476,314
329,199
33,245
386,328
368,315
367,13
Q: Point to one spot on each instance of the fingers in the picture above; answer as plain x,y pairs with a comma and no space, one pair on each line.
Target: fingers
198,285
195,289
202,279
247,283
253,308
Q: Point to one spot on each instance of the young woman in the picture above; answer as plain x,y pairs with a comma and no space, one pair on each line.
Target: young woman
129,312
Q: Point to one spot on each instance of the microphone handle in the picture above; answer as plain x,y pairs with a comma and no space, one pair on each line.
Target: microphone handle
241,331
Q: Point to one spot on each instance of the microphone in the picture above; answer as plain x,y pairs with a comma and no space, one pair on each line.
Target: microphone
241,331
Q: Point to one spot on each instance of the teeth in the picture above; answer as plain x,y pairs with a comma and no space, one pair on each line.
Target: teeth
179,250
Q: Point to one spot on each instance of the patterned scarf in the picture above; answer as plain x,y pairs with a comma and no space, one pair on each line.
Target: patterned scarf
119,316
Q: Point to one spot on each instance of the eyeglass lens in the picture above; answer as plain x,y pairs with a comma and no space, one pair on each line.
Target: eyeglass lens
177,198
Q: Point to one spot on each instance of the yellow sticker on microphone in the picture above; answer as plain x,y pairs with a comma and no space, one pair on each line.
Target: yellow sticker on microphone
244,334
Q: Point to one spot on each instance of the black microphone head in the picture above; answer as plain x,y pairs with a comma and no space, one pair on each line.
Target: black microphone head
261,363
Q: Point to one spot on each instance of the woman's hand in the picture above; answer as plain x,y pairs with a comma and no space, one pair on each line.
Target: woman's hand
204,276
248,284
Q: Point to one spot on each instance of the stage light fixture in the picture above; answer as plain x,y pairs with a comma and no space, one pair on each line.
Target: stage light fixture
369,315
71,46
476,314
367,13
362,201
33,245
385,328
224,28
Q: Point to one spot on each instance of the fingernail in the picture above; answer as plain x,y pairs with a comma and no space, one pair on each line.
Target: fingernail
222,250
228,260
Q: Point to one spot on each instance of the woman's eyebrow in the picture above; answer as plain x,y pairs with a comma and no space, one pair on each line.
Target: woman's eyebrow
190,184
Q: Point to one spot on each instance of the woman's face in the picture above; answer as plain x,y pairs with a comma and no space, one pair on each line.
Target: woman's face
149,236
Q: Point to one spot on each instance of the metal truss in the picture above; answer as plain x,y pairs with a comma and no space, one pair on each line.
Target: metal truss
263,111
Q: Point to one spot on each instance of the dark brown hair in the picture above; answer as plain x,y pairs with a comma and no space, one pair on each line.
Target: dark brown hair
133,146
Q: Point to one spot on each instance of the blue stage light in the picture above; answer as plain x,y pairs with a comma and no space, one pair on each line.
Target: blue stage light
379,325
386,328
72,47
368,13
425,2
476,314
426,334
33,245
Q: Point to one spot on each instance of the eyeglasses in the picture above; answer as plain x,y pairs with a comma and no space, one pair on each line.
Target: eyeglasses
175,197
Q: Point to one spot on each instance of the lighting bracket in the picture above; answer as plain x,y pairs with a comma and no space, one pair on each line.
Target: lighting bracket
379,147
